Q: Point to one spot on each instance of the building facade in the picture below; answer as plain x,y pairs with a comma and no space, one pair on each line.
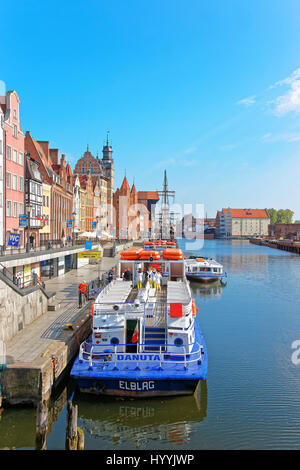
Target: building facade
131,217
76,204
14,165
62,195
2,172
103,169
243,222
290,231
33,200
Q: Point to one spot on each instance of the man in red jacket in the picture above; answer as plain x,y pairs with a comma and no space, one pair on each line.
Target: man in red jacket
82,290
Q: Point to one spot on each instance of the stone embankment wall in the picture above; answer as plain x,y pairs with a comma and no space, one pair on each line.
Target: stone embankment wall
18,310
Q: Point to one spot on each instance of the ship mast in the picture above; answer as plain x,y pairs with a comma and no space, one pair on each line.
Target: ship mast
165,216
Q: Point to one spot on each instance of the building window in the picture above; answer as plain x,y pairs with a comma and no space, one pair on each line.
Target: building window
8,180
15,156
8,152
15,131
1,146
15,207
15,113
8,208
15,182
21,185
20,158
21,208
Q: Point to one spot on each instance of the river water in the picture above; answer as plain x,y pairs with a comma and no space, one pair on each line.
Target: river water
251,399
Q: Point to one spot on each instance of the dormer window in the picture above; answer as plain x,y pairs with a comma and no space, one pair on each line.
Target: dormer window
15,131
15,113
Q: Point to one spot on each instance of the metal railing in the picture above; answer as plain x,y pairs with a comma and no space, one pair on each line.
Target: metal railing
187,358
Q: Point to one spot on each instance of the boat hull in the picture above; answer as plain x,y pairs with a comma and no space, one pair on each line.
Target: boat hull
205,280
143,380
136,388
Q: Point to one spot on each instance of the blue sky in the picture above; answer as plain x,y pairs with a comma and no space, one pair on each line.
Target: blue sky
208,90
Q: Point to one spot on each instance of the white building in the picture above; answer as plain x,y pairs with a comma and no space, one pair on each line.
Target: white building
244,222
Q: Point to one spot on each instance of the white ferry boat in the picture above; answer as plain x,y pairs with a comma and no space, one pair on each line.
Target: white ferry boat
204,270
146,341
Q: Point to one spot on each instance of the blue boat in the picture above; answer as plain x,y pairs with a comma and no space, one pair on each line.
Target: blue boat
145,342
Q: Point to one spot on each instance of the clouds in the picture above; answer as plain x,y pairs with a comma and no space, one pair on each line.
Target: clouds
289,102
247,101
284,137
282,104
172,162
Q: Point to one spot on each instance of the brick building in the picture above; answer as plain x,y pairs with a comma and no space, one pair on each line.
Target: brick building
284,230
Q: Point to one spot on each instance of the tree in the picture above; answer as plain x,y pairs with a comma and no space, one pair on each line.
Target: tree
281,216
273,215
284,216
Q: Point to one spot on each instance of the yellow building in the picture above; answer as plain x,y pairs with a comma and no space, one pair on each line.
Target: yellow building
45,232
82,193
103,204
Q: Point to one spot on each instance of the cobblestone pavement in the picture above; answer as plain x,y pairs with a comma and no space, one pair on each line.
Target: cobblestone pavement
34,339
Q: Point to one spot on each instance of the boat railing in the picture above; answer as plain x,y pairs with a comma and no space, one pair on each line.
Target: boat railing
111,355
123,308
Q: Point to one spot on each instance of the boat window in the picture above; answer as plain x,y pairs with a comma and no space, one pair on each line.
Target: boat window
195,269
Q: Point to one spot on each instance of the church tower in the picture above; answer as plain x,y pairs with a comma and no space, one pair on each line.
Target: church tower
107,163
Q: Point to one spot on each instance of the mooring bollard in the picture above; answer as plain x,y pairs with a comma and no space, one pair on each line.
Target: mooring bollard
41,425
74,435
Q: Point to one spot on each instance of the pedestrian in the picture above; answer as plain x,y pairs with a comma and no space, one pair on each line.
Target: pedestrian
127,275
157,281
149,276
82,291
31,239
111,274
152,277
139,278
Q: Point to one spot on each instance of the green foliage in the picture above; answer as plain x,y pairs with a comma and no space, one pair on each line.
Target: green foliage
273,215
281,216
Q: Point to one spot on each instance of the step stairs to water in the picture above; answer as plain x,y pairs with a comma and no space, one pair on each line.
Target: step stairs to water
155,339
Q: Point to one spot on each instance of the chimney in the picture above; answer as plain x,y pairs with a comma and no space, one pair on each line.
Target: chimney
45,146
54,156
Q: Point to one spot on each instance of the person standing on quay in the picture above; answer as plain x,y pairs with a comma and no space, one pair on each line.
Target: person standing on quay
149,276
157,281
153,274
139,278
82,290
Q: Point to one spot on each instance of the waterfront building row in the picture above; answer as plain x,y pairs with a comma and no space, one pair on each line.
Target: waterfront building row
41,199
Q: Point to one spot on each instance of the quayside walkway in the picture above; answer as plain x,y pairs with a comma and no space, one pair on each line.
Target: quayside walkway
39,354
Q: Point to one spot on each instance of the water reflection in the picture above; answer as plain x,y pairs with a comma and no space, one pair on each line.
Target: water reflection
207,291
128,421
